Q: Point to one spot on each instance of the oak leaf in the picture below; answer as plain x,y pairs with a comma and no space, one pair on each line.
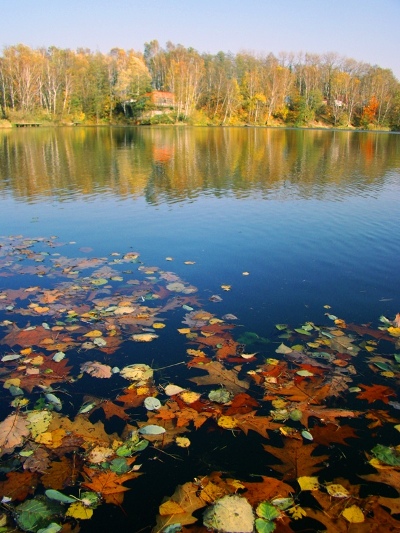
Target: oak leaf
331,433
296,458
371,393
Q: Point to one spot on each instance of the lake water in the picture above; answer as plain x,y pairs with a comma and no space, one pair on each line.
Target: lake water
292,220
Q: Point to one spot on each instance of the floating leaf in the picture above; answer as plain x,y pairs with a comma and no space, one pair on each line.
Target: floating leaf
353,514
152,429
229,514
182,442
308,482
144,337
79,511
96,369
264,526
59,496
172,390
337,491
152,403
267,510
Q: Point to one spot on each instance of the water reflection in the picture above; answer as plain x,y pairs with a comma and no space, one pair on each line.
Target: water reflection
179,164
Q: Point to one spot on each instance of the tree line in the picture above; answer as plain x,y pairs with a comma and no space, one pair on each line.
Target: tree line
66,86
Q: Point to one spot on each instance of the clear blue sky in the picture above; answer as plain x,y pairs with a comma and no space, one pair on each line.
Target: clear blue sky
365,30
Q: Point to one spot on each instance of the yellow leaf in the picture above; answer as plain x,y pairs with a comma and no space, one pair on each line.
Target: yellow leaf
353,514
279,403
141,391
37,361
308,482
196,353
388,374
44,309
184,331
226,287
227,422
245,273
93,334
272,361
190,397
25,351
337,491
370,348
158,325
216,321
297,512
80,511
12,382
182,442
190,262
394,331
313,344
170,507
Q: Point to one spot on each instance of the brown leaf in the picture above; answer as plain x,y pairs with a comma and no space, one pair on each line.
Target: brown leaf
267,489
61,474
259,424
297,459
332,433
372,393
18,485
218,374
389,476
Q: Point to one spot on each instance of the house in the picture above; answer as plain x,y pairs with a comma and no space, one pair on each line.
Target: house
162,98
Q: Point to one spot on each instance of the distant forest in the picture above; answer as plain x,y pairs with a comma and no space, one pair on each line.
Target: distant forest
63,86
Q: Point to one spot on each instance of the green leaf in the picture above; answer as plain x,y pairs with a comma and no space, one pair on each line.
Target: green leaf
35,514
264,526
387,455
119,466
283,503
58,496
51,528
267,510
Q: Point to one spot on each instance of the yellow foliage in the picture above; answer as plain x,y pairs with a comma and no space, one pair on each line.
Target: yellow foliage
308,482
170,507
227,422
337,491
394,331
297,512
93,334
353,514
182,442
80,511
158,325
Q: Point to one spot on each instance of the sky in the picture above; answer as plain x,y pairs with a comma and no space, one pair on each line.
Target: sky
365,30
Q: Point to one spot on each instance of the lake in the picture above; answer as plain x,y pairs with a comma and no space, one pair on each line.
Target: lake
273,226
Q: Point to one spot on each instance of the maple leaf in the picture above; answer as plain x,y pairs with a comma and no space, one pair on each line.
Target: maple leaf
332,433
297,459
218,374
18,485
107,483
323,413
372,393
13,431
